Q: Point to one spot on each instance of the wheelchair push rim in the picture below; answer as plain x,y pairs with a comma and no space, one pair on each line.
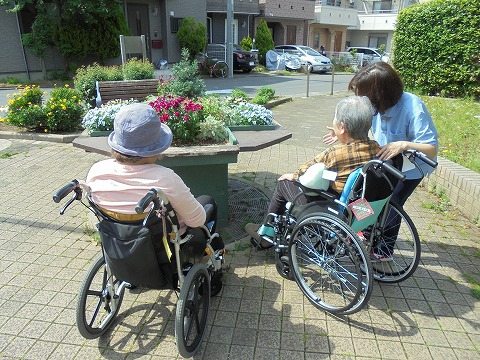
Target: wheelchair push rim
99,301
330,264
192,311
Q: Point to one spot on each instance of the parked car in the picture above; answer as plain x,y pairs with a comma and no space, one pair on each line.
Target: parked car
310,57
370,55
242,59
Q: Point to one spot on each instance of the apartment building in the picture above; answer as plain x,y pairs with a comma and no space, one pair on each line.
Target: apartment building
334,24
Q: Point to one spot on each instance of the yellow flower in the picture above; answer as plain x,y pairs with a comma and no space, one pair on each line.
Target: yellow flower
2,119
29,103
52,106
66,85
46,130
64,107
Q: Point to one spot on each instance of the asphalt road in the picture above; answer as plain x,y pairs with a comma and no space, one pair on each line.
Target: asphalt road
291,85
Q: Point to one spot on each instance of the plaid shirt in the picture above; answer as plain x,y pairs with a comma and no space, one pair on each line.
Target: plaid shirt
343,159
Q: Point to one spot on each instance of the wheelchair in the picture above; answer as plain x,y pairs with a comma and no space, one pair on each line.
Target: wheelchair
327,245
147,253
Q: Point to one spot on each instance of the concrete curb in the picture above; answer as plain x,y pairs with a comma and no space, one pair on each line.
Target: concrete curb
57,138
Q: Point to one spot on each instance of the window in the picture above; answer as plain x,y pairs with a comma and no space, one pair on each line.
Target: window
375,40
316,40
382,6
175,24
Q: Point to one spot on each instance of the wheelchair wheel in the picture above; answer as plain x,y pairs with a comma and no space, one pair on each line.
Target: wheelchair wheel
282,263
406,246
220,69
330,264
96,307
192,310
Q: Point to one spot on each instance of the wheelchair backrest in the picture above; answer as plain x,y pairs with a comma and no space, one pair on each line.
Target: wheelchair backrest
379,186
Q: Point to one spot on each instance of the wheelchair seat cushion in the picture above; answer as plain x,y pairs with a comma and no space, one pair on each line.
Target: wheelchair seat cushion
323,206
130,254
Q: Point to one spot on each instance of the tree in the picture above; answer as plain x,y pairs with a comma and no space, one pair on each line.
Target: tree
437,47
263,41
192,36
76,27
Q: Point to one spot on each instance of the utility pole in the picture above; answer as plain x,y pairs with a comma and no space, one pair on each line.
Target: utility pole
229,55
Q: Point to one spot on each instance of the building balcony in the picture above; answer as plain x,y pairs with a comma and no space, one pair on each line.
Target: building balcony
384,21
239,6
293,9
335,12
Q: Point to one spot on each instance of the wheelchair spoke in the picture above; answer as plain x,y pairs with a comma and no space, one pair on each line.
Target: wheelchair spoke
326,258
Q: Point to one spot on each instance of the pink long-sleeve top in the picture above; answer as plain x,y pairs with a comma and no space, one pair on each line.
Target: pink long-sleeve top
118,187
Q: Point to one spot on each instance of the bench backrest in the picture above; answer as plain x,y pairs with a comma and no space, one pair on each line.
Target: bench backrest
126,89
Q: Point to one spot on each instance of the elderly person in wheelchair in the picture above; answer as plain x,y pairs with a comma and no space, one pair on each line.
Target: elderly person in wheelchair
119,183
351,123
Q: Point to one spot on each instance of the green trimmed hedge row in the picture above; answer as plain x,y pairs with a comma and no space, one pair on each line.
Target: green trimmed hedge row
437,47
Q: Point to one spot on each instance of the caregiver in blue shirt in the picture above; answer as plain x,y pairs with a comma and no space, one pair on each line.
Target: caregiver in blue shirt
401,122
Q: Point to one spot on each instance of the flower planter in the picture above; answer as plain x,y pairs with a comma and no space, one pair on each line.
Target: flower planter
251,127
100,133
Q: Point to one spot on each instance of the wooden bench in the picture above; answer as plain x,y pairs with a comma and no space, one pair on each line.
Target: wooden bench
126,89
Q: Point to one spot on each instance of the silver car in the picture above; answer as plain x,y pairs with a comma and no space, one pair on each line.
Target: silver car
370,55
315,61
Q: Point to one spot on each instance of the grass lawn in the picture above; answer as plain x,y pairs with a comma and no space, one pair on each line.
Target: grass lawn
458,129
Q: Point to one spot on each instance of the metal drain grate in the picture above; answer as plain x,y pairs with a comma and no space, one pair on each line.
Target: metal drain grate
245,204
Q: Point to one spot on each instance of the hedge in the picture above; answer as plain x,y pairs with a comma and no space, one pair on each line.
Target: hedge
437,47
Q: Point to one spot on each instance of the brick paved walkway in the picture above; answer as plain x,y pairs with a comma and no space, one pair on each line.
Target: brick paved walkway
258,314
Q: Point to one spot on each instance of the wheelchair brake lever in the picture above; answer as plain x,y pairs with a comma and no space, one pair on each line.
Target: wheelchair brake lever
74,197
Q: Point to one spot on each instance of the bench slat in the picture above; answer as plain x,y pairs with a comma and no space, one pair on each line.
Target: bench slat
124,90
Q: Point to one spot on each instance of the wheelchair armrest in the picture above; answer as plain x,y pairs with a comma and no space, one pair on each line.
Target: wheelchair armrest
315,192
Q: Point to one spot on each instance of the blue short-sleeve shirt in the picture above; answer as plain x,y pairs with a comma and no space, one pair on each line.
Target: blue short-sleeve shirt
408,120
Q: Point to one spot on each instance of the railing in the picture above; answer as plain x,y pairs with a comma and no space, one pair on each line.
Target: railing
337,3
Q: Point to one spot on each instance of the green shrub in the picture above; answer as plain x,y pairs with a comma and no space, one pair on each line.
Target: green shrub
137,70
263,41
192,36
264,95
185,80
246,43
64,110
443,58
239,94
87,76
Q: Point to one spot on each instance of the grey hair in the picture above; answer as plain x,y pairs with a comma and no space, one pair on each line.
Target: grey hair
356,113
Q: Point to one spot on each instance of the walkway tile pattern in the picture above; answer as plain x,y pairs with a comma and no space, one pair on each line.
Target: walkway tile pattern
258,314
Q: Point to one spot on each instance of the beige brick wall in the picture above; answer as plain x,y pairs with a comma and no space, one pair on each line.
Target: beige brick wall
461,185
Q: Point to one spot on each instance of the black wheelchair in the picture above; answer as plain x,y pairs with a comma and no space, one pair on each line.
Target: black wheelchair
328,245
147,253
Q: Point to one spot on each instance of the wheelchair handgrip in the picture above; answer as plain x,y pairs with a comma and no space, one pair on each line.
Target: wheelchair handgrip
398,174
64,191
145,201
426,159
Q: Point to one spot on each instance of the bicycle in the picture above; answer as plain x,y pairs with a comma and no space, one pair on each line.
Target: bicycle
319,244
129,258
211,65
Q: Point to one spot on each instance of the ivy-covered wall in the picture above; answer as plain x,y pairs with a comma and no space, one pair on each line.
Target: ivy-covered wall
437,47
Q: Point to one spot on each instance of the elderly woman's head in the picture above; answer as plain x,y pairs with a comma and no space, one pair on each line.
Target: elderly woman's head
354,115
380,83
